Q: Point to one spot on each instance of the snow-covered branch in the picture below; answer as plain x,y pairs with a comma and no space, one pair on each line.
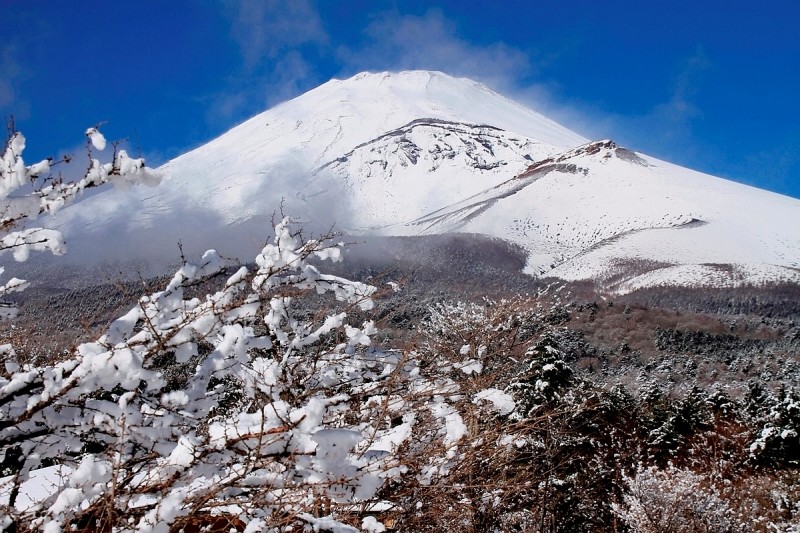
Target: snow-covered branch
27,207
236,400
24,196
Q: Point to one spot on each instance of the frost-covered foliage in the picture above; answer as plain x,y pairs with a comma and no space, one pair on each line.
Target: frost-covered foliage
30,191
673,500
230,403
475,337
778,442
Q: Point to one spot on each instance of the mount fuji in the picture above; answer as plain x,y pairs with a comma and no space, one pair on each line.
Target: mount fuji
420,153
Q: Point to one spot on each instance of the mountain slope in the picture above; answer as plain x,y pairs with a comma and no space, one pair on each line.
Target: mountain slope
602,212
426,164
416,153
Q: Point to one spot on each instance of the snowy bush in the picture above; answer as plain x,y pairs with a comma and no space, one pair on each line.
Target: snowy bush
547,378
674,500
479,338
159,452
778,442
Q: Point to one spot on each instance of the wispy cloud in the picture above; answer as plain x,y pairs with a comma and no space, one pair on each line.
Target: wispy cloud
264,29
281,45
668,128
272,37
665,127
677,114
394,41
12,75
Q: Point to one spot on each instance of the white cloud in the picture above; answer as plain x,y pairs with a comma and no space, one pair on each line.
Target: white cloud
272,37
679,111
264,29
431,42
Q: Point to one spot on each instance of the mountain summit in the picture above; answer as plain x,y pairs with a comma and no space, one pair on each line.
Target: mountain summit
417,152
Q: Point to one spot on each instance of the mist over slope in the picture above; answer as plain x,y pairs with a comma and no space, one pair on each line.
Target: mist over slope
419,153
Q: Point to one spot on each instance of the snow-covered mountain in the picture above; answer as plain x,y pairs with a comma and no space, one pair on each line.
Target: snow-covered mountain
421,152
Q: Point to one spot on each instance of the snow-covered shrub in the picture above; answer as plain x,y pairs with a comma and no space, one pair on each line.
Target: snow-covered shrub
674,500
479,338
276,419
778,442
160,449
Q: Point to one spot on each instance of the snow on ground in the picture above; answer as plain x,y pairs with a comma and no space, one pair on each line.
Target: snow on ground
710,275
426,165
609,210
502,402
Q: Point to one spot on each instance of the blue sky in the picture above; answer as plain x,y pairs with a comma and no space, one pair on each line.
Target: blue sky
710,85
